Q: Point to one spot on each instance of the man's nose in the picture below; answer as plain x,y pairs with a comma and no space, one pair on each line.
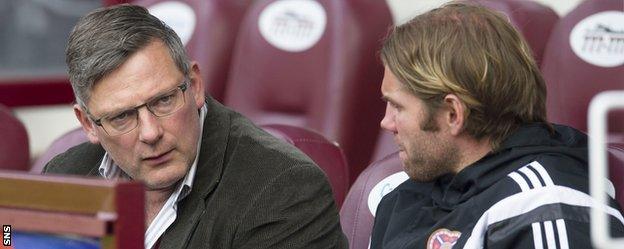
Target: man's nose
388,123
150,128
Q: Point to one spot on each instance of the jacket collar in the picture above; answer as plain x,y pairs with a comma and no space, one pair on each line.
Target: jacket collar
517,150
215,136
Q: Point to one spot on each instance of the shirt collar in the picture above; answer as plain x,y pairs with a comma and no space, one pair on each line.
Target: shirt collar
190,176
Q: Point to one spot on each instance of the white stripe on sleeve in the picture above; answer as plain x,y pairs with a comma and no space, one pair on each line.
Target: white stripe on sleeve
563,234
550,235
524,186
543,173
537,236
532,177
527,201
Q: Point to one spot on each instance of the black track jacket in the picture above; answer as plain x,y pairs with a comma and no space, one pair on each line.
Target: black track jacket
530,193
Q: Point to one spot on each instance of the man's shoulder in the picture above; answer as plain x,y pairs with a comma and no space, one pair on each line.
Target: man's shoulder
254,160
541,172
548,192
245,140
548,188
249,142
78,160
403,201
550,170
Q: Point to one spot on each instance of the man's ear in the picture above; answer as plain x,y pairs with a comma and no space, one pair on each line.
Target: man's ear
456,114
87,125
197,85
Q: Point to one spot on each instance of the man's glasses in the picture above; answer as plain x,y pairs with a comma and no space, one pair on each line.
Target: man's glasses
125,121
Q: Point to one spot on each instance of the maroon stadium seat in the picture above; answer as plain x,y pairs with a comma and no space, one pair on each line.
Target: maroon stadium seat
14,151
534,21
325,153
585,56
209,29
289,68
358,210
60,145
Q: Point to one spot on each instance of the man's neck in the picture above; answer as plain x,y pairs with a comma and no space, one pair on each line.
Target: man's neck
472,150
154,201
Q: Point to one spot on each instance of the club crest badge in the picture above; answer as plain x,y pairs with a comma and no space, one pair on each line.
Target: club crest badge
442,239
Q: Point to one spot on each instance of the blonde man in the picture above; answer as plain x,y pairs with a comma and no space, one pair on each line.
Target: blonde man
466,105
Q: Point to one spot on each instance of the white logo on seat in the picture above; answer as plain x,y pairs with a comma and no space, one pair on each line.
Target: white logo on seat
599,39
293,25
384,187
178,15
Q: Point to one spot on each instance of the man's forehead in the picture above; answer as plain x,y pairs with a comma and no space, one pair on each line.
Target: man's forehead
142,75
390,86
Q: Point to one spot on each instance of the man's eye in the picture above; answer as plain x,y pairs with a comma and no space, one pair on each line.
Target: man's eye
120,117
394,105
165,100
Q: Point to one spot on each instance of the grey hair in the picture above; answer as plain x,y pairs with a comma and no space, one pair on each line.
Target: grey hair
104,39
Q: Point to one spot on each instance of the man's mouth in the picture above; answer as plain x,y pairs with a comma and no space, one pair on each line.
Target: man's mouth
158,158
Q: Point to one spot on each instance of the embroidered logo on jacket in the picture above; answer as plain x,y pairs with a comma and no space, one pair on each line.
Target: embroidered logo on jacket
442,239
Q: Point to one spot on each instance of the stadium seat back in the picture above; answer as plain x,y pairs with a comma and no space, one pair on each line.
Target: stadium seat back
313,64
585,56
208,28
14,150
325,153
58,146
534,21
357,214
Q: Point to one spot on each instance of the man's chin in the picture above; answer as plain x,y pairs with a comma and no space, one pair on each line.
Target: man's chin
420,175
159,185
164,177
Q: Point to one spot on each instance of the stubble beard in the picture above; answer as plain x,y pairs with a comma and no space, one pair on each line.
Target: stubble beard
423,166
427,164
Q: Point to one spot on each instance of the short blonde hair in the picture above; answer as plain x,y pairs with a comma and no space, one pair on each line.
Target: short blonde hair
476,54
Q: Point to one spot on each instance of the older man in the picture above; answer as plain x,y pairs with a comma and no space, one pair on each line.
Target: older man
212,178
466,105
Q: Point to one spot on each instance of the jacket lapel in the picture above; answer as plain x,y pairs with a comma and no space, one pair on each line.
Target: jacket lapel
215,136
83,160
95,171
